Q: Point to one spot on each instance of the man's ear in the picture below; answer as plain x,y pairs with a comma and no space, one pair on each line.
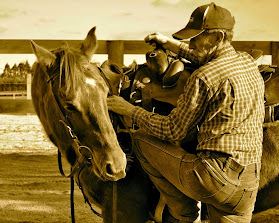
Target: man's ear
220,35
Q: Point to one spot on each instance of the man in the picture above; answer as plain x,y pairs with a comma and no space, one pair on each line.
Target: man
224,97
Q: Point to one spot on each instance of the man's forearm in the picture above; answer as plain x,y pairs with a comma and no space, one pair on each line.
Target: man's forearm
172,45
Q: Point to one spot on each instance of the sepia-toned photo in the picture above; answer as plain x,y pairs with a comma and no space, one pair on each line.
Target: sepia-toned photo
151,111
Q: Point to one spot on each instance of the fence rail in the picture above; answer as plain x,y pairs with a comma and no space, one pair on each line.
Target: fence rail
116,49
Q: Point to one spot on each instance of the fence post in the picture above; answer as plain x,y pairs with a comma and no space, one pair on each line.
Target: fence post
275,53
29,85
115,50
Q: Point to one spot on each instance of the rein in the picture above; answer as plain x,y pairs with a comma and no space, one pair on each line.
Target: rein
83,153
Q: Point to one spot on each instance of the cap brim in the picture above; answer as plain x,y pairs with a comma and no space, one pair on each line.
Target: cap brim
187,33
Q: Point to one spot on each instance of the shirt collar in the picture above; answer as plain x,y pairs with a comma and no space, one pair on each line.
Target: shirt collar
225,51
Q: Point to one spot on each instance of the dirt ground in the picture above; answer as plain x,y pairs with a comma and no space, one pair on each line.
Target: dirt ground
31,187
32,190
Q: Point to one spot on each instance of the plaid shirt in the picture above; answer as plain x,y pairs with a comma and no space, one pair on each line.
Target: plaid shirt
225,98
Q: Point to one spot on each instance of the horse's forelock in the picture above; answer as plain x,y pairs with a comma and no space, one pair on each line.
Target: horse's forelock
70,66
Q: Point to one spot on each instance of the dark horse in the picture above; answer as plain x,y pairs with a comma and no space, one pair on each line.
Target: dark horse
69,95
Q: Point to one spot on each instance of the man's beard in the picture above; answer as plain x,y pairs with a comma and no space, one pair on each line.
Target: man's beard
205,56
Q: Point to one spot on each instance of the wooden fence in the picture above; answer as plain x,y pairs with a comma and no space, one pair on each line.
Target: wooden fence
116,49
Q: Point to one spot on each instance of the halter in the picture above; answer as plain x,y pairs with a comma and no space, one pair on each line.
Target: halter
83,153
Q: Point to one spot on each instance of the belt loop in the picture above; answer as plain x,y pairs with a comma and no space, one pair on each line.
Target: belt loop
256,170
241,172
227,164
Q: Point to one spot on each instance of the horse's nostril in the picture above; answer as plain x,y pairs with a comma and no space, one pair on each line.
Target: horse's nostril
109,170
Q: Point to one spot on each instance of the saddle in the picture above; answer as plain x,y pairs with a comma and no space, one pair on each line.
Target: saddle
161,78
163,69
116,76
271,78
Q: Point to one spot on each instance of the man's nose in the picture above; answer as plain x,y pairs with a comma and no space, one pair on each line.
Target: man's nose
192,43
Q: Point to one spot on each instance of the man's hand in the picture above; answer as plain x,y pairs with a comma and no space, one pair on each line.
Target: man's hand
157,37
120,106
166,42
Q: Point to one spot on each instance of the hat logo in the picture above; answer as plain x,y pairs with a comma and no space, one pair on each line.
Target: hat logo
191,19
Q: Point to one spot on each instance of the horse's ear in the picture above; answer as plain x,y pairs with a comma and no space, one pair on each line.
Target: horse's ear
43,55
90,44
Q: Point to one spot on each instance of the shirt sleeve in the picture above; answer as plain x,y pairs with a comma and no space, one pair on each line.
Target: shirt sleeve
187,53
189,111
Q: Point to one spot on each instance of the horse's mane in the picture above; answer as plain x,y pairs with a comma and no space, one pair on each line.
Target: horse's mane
69,64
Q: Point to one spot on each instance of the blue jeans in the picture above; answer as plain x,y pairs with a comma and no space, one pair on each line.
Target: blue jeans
228,188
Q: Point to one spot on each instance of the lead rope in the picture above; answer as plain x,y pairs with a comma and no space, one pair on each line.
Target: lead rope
114,123
72,199
72,204
114,202
114,183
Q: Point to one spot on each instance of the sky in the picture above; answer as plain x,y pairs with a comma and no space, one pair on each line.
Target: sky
256,20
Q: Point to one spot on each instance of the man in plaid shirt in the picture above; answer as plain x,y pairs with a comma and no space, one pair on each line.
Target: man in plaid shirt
224,97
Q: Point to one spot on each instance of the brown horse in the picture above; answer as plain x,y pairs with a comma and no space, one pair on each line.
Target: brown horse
75,89
69,96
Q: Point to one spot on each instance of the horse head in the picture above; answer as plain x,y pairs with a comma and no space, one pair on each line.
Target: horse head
69,93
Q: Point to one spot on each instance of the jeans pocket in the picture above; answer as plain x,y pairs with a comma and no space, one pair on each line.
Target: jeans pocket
243,200
206,183
247,201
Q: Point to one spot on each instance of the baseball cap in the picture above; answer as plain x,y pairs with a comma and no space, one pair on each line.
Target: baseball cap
208,16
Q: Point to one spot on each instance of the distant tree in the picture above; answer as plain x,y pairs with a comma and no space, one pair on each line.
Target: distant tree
21,67
27,66
14,67
18,73
7,67
6,71
13,71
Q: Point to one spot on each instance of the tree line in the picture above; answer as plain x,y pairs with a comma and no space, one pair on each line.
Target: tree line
16,73
14,78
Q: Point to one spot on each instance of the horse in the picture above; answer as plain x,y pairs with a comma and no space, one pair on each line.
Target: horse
69,97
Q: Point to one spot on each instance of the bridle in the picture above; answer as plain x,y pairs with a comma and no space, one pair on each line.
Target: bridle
83,154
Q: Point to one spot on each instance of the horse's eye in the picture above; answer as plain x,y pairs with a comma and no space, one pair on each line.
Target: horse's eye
70,107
